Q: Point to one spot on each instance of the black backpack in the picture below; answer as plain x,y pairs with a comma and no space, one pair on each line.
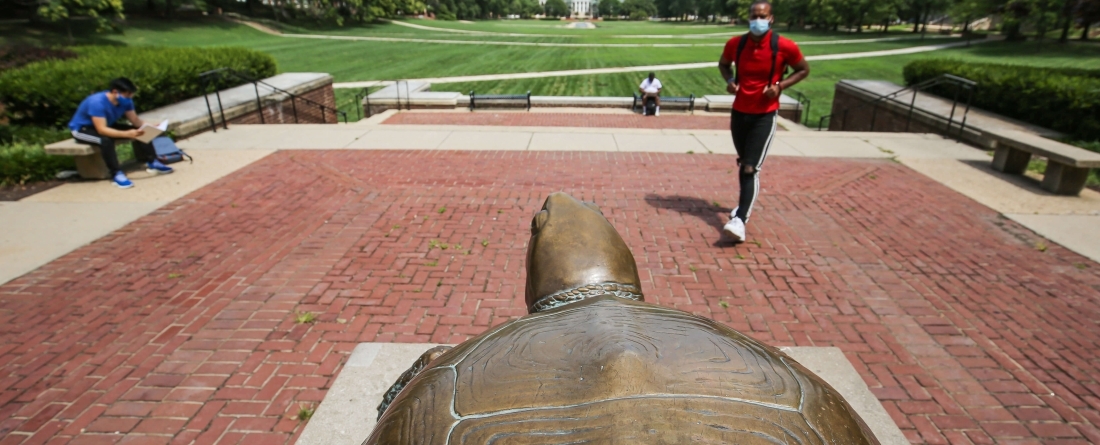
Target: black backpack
741,47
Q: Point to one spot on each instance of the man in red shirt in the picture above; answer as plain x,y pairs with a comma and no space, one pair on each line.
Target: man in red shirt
761,57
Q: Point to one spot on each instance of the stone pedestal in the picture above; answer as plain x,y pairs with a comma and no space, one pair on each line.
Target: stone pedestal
1062,179
1010,160
92,166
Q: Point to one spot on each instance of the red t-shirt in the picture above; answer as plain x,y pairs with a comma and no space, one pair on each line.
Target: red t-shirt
753,69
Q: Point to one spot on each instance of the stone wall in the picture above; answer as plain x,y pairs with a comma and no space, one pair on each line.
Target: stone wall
276,111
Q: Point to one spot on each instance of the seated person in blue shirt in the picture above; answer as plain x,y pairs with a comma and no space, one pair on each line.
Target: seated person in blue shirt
94,124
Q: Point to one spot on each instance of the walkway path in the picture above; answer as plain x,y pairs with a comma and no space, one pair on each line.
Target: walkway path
670,67
182,327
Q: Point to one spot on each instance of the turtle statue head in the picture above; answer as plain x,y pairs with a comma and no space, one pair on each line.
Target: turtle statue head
575,253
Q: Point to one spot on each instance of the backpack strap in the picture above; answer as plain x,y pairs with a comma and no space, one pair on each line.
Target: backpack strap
775,56
737,59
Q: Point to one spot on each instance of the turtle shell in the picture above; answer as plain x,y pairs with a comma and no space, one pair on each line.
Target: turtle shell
610,370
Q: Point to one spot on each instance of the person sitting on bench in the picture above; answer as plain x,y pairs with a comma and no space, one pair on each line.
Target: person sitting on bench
94,124
651,87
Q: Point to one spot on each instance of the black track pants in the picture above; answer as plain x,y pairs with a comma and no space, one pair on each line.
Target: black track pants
752,135
142,152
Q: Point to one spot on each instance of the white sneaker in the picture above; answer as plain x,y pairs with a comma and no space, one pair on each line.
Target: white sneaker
735,229
733,213
657,112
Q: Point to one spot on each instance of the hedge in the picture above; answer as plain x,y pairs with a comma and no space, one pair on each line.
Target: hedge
1062,99
46,93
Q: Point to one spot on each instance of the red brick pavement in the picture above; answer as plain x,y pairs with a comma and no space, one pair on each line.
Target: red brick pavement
666,121
180,327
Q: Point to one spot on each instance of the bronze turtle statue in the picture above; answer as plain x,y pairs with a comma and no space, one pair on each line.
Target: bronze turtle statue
593,363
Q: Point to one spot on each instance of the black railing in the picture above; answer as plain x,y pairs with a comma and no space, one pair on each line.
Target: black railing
804,105
208,78
364,95
958,82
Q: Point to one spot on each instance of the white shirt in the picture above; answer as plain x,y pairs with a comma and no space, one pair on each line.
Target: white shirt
650,86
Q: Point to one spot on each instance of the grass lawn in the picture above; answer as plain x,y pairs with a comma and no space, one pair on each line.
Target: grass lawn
383,60
376,60
818,87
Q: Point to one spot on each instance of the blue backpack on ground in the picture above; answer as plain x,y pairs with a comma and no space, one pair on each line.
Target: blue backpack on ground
168,152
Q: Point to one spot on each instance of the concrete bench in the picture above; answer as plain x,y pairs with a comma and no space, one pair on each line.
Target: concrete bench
474,100
689,102
1067,166
89,163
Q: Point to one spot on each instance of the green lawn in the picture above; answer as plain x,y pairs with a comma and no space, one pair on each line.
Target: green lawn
375,60
818,87
379,60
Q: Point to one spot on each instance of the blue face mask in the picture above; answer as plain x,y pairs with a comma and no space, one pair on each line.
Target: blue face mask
758,26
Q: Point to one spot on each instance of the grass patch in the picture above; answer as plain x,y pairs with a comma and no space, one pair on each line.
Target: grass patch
305,317
305,412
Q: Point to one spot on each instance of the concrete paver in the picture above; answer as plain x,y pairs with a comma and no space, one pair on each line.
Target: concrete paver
572,142
1079,233
1009,194
486,141
185,319
209,166
809,145
36,233
664,144
397,139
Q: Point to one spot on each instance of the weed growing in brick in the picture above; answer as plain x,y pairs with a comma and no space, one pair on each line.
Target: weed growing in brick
174,275
691,267
723,304
304,318
1041,246
1081,266
485,243
441,210
431,263
305,412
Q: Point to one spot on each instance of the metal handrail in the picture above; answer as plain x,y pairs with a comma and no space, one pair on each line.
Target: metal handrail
802,99
959,82
207,77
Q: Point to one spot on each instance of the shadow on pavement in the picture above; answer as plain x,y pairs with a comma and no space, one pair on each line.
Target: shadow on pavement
710,212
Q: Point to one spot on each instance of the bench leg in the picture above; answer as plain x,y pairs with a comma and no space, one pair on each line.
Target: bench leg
92,166
1010,160
1062,179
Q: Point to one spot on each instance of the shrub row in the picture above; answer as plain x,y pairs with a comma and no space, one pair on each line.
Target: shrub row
47,93
22,162
1065,100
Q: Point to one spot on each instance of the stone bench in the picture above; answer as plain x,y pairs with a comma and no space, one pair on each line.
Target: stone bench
89,163
688,102
1067,166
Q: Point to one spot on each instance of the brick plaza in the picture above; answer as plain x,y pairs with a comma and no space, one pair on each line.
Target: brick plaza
181,327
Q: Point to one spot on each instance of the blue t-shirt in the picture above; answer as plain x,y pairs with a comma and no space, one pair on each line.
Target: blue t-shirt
98,105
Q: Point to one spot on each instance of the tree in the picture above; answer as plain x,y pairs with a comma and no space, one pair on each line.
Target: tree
1087,12
608,8
966,11
100,10
639,9
556,8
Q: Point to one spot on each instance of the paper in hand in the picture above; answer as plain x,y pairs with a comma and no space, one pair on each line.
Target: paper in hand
152,132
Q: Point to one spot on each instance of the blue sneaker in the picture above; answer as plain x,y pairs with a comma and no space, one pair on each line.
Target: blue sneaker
122,181
156,168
